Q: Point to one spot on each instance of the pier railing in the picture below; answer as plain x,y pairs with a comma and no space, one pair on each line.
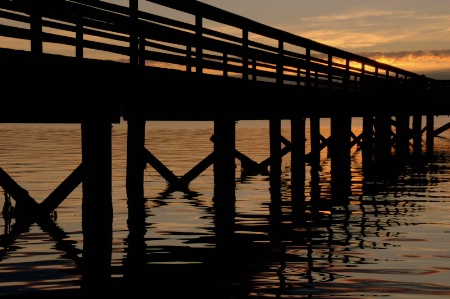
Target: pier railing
214,42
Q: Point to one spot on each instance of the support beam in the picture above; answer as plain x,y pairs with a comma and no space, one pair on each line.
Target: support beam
135,153
26,207
63,190
97,209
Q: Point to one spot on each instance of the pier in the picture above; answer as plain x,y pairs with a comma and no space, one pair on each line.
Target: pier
167,69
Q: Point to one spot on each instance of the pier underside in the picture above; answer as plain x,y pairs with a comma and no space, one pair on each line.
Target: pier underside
59,89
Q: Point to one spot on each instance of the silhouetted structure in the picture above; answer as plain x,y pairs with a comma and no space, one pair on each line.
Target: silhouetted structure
177,70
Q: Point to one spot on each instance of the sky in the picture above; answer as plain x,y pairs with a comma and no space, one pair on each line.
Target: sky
410,34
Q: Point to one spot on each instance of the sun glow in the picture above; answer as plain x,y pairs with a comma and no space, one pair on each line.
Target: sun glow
416,61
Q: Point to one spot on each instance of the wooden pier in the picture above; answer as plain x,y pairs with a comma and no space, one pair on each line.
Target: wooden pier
177,70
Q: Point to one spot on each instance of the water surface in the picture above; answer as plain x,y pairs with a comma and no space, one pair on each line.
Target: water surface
391,240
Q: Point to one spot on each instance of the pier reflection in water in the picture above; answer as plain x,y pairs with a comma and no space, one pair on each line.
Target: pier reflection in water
389,237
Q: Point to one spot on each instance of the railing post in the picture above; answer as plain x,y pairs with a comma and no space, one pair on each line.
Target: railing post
347,75
308,68
189,58
330,71
134,43
79,48
36,28
141,50
254,69
245,54
363,77
280,66
225,64
198,46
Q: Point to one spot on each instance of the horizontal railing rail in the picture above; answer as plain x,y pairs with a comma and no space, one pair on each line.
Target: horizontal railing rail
235,47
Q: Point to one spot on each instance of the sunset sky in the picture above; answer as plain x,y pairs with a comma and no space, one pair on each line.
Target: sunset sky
411,34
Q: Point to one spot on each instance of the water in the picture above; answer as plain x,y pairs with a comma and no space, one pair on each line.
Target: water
391,241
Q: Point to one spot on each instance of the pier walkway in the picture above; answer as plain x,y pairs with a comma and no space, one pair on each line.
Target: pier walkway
74,53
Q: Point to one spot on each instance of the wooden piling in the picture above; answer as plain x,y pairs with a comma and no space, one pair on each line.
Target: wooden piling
402,135
298,169
382,139
340,157
417,133
135,153
97,209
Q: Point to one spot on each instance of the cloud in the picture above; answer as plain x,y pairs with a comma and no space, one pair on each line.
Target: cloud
434,63
369,29
419,54
352,16
350,40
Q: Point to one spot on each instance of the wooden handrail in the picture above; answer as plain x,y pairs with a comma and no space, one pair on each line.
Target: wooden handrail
164,41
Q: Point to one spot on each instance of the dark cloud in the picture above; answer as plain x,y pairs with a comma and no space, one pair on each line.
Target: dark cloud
432,63
408,54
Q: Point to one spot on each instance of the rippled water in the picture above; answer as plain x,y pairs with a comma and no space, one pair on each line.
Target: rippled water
392,240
